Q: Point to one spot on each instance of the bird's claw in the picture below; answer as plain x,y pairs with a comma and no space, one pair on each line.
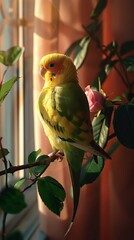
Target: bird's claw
57,154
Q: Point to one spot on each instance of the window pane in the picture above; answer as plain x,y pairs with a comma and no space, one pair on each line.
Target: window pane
16,113
16,125
9,108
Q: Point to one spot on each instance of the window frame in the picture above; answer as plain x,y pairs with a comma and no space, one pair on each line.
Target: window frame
20,119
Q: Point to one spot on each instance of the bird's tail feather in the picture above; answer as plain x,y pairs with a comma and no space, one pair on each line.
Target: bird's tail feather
74,158
93,148
98,151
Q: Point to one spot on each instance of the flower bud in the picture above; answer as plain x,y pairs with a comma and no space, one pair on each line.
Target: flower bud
95,99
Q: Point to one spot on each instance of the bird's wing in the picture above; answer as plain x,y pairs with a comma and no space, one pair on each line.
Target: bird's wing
66,111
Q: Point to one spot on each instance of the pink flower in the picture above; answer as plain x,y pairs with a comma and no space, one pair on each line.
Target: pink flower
95,99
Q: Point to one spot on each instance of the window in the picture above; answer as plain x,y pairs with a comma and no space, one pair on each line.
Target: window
16,124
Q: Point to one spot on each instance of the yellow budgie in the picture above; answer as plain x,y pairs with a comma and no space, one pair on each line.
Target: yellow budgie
65,115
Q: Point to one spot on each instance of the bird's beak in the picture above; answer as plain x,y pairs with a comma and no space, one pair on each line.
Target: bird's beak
42,71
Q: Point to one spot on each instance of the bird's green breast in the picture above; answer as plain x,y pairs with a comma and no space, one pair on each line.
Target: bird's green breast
48,112
64,112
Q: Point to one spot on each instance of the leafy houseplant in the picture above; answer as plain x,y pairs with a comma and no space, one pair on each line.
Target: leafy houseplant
107,113
12,199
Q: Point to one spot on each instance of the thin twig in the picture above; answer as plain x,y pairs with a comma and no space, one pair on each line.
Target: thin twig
4,161
29,186
4,226
121,76
5,214
2,151
36,178
116,69
103,51
124,71
45,161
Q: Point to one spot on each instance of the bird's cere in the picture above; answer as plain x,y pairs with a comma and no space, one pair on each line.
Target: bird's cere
95,99
42,71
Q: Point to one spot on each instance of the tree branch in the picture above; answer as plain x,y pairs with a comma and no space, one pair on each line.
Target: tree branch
46,161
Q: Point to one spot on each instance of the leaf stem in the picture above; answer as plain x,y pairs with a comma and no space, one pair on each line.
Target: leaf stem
36,178
4,73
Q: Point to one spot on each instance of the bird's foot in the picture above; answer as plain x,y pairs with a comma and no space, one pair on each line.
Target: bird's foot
57,154
60,155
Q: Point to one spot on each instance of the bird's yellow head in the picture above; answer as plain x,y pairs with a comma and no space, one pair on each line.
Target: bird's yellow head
57,69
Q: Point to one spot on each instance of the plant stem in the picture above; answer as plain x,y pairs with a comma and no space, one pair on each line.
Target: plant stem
125,79
4,225
2,151
5,161
36,178
127,83
45,161
115,67
113,135
121,76
4,73
5,214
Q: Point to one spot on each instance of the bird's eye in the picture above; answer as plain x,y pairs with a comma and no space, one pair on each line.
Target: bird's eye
51,65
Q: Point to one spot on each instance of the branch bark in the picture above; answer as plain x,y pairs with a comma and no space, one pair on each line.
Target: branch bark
46,161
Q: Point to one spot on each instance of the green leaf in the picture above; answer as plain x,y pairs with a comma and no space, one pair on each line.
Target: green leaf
109,66
106,66
109,103
100,130
123,123
117,99
20,183
132,99
129,96
113,148
16,235
127,47
81,52
5,151
12,200
99,8
10,56
52,194
39,169
112,46
91,170
97,124
72,47
100,77
6,87
33,155
32,158
101,126
93,27
129,63
111,51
